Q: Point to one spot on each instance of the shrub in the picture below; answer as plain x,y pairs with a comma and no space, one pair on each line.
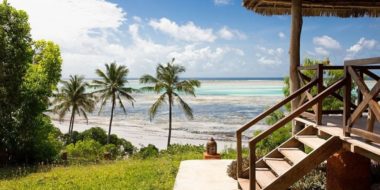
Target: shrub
99,135
232,168
180,149
148,152
96,133
314,180
126,146
112,149
86,150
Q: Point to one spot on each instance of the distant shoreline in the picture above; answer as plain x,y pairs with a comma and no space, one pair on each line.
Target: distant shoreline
213,78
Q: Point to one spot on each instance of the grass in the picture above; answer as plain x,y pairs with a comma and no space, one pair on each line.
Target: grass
145,174
157,173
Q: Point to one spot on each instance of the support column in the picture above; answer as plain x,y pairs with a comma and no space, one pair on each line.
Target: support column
348,171
294,54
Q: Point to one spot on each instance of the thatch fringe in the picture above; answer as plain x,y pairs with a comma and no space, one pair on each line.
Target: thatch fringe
315,8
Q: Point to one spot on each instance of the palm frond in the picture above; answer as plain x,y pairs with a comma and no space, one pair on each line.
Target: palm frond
153,109
185,107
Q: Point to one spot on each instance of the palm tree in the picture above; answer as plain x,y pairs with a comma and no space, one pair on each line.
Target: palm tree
167,83
72,97
112,86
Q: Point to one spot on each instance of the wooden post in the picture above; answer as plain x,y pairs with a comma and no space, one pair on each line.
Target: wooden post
346,102
294,54
252,166
318,114
239,155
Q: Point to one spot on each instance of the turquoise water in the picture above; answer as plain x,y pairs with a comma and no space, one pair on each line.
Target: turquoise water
234,87
220,107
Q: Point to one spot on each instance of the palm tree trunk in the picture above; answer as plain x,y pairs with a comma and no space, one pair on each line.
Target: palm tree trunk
170,119
109,129
71,122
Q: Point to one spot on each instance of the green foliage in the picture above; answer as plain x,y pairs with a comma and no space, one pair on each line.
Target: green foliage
113,149
131,174
126,146
113,86
28,74
168,83
149,151
330,76
96,133
72,97
314,180
86,150
99,135
274,140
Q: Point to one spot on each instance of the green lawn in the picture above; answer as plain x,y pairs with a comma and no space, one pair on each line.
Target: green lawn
152,173
127,174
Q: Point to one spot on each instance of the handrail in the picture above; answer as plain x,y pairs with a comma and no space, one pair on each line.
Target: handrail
298,111
368,61
282,122
278,105
262,116
324,67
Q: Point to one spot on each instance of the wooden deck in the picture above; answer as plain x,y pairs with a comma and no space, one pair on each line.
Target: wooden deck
333,125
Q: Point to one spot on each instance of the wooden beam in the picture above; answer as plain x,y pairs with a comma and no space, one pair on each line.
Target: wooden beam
373,60
294,54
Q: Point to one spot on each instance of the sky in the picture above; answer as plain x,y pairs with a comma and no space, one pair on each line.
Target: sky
211,38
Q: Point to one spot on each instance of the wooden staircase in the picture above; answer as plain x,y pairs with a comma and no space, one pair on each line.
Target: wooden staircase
286,164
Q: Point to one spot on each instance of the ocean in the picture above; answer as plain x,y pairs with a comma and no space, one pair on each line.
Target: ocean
220,107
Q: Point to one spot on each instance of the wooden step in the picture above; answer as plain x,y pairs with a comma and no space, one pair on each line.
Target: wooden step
293,154
244,184
311,141
264,177
278,165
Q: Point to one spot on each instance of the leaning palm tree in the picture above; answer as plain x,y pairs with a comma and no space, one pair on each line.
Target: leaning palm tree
167,83
72,97
112,86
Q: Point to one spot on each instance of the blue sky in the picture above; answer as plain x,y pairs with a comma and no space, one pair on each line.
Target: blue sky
211,38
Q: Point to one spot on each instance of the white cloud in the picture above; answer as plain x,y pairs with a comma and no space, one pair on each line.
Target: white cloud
67,20
281,35
137,19
359,46
270,56
188,32
82,29
229,34
89,33
326,42
222,2
322,51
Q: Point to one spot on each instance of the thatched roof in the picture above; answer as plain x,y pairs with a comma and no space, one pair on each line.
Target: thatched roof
352,8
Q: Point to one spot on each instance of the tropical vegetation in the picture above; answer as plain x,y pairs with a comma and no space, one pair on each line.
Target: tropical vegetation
29,73
73,97
113,86
168,84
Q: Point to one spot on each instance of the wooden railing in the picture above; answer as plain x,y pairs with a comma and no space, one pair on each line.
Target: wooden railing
355,70
311,106
307,102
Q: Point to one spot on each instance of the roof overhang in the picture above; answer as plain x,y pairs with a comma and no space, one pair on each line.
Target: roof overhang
353,8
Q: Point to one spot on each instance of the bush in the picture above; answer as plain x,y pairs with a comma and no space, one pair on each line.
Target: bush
126,146
99,135
112,149
315,180
86,150
96,133
180,149
148,152
232,169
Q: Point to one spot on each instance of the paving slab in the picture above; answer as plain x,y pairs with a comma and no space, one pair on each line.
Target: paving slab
204,175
